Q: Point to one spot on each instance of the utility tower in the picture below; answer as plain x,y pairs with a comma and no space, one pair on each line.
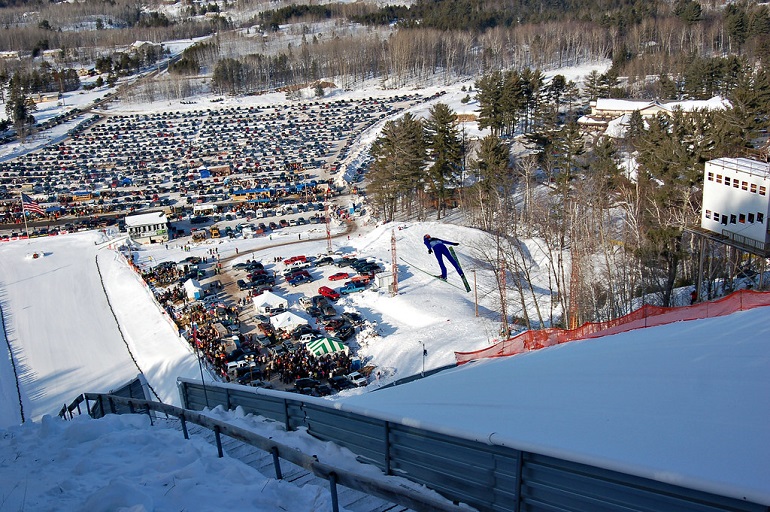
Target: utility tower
503,298
328,219
394,265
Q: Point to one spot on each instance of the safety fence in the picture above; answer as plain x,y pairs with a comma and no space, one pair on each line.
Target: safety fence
98,405
646,316
464,468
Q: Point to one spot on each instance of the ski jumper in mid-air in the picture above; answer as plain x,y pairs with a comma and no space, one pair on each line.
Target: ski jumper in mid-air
438,246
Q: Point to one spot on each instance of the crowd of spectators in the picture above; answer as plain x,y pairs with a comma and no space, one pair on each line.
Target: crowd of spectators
201,323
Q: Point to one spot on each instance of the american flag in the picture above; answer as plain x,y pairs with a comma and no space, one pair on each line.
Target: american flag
30,205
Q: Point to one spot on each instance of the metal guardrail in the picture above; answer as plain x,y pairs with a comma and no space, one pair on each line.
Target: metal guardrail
748,244
398,494
475,472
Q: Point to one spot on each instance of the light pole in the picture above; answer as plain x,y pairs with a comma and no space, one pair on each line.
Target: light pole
424,354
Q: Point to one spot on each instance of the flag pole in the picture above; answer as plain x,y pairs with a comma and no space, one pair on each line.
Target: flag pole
24,214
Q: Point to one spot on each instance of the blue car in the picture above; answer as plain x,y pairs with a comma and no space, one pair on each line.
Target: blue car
302,278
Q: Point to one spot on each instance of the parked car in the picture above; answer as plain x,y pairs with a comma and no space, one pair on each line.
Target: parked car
314,311
340,382
299,265
328,311
244,285
339,276
353,318
301,330
345,333
328,293
296,273
357,379
352,288
298,280
306,382
326,260
319,301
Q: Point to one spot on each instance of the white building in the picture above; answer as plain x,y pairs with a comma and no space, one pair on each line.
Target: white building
270,304
735,200
148,228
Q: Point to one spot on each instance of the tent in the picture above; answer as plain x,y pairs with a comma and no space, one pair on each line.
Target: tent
193,289
286,321
327,345
269,303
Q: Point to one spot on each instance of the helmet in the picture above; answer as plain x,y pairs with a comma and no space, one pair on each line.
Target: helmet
426,236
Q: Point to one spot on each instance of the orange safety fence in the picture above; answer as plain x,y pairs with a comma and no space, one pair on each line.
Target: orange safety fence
646,316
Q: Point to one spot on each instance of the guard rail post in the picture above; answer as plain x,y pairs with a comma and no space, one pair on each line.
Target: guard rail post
387,448
149,415
218,435
184,426
333,490
519,468
276,463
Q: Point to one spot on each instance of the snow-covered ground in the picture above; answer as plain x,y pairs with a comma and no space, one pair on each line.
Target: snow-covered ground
684,403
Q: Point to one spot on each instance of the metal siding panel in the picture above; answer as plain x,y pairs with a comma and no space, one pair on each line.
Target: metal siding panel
453,488
480,475
361,435
267,406
566,484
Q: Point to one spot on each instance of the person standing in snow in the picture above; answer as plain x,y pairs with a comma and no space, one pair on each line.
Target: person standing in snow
438,246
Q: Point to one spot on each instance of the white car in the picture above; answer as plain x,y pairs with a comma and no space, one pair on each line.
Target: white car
357,379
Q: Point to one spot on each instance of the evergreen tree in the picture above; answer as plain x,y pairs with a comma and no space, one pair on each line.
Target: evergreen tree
688,11
489,95
19,110
445,150
491,168
397,174
736,24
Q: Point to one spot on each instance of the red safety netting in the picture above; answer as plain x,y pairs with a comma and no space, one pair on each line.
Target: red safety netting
646,316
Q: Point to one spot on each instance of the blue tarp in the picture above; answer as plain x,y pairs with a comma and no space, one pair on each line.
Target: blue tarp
205,173
253,191
53,209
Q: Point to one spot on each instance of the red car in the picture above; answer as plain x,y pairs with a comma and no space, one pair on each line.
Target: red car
339,276
328,293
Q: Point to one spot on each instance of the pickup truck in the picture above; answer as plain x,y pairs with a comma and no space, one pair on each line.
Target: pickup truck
352,287
298,280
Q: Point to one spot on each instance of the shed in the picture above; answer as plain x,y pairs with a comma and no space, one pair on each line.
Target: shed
193,289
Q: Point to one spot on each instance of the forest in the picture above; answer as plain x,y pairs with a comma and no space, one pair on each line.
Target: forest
626,236
612,236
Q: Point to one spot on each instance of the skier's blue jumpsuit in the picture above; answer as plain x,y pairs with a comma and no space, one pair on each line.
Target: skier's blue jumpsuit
438,246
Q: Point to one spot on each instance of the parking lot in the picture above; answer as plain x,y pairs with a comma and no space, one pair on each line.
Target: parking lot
237,328
174,160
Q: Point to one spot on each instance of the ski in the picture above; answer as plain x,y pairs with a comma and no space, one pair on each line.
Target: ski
429,274
465,281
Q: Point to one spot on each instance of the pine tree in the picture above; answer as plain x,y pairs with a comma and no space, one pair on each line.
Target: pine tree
443,142
492,174
489,95
397,172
